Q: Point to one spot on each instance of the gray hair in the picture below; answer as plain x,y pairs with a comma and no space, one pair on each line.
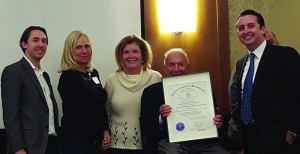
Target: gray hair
173,50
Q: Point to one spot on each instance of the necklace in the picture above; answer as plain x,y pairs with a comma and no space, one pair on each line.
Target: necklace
86,78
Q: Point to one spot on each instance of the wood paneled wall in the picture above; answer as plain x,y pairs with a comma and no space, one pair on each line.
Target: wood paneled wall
207,48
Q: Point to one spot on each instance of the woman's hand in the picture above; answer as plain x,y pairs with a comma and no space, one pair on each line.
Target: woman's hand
106,140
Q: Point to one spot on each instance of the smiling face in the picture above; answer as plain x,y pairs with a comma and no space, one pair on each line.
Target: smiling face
132,58
250,33
36,46
176,64
83,51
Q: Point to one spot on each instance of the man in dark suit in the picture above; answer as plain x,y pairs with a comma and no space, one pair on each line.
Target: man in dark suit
30,112
234,133
154,113
274,100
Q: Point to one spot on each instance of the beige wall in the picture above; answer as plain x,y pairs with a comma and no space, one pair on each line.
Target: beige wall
281,17
98,18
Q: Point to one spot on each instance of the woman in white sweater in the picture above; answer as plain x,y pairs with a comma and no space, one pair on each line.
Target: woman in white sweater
124,90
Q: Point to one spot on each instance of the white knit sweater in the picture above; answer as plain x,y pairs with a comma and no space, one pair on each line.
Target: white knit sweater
123,106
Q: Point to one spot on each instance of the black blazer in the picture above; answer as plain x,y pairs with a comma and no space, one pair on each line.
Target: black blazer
152,99
25,110
275,99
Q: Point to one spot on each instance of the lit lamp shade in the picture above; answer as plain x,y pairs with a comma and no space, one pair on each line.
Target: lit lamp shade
177,15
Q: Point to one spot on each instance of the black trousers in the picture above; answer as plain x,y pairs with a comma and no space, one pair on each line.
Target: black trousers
53,145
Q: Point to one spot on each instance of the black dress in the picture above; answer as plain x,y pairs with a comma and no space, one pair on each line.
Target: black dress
84,114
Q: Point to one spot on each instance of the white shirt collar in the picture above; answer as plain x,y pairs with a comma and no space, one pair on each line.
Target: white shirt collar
34,67
260,50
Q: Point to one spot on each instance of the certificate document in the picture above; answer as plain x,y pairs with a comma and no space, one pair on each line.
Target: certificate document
190,97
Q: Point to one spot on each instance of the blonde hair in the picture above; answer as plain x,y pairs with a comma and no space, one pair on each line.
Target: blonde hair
67,60
144,46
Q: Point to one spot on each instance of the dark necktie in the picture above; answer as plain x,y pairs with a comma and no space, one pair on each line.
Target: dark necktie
246,113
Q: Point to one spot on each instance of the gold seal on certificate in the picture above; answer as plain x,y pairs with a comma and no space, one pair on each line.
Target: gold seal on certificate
190,97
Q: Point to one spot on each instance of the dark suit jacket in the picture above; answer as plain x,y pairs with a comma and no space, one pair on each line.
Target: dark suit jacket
275,98
152,99
25,110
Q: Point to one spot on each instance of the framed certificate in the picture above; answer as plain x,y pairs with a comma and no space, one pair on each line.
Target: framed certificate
190,97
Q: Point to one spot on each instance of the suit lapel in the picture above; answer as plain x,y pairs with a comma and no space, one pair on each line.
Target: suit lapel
263,67
240,69
55,107
47,78
33,77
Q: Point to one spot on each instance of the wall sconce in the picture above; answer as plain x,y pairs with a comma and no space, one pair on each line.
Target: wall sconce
177,16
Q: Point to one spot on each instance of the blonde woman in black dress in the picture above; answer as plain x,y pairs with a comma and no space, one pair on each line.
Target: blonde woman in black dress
84,125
